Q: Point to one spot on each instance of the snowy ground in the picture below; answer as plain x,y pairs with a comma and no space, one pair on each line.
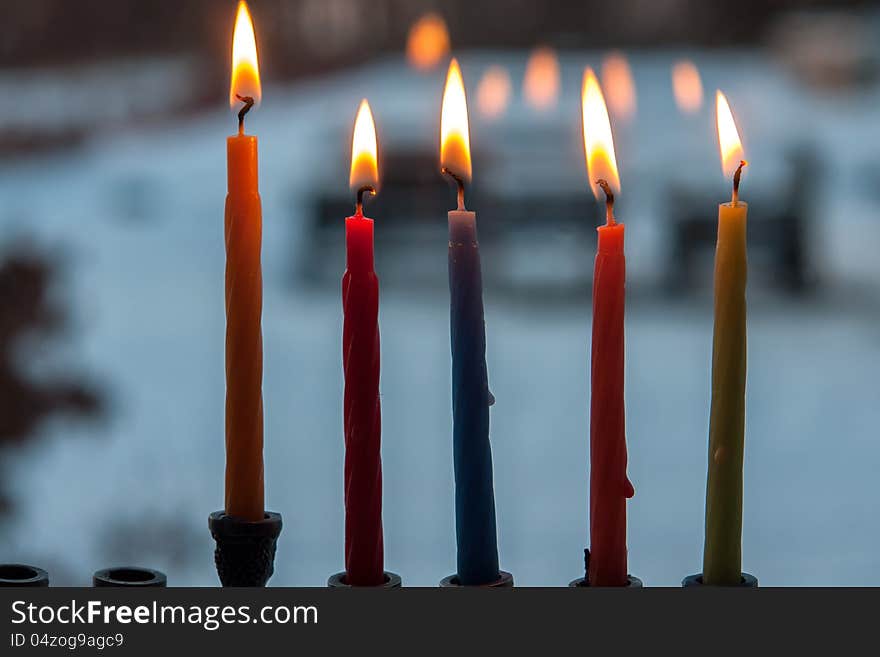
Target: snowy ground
139,217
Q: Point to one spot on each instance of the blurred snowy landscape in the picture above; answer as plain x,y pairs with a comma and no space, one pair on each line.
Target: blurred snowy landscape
135,217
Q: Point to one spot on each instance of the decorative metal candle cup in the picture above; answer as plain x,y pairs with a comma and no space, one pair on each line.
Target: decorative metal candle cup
16,574
337,581
746,582
505,581
126,576
245,552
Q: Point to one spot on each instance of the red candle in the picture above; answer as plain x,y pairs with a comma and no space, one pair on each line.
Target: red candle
609,485
364,558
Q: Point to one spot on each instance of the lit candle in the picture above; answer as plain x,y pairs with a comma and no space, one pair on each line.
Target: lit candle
722,555
360,357
609,485
244,290
477,546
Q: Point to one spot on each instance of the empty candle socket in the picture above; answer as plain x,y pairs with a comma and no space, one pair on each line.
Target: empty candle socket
127,576
16,574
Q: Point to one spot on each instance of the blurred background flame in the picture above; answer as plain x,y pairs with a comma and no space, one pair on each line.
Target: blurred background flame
619,87
493,93
687,86
541,81
427,45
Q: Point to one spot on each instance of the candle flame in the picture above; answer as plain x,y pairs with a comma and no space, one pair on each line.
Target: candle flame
598,142
245,66
541,81
428,42
728,136
618,82
687,87
493,92
455,142
364,153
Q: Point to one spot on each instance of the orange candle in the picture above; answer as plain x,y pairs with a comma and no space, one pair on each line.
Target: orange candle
610,487
244,290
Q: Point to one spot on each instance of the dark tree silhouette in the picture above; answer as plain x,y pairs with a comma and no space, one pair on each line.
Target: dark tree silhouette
27,311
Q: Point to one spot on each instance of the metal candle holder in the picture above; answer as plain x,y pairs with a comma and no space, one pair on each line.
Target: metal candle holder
16,574
631,583
245,552
129,577
746,581
337,581
504,581
584,582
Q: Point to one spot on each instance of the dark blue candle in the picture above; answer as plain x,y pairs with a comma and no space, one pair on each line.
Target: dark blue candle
472,455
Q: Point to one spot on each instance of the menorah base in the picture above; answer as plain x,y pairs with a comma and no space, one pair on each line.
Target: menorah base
337,581
746,581
16,574
631,583
245,552
130,577
505,581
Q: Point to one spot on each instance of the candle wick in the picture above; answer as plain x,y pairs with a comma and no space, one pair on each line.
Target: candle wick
248,104
359,209
458,181
609,202
736,177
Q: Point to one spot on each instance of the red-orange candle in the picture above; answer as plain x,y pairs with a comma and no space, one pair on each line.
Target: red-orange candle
609,485
244,291
364,555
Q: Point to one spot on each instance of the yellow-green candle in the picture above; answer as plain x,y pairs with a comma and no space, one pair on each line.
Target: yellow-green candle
722,554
